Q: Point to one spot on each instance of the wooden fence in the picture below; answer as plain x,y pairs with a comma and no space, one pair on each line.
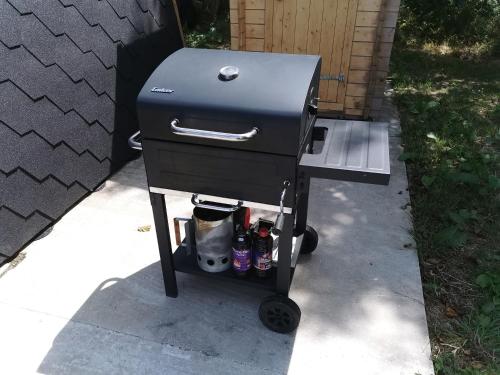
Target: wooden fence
354,38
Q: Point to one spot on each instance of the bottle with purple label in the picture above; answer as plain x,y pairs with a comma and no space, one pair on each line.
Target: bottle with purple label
242,253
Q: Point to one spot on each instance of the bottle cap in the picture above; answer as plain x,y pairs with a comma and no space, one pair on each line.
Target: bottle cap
263,232
246,223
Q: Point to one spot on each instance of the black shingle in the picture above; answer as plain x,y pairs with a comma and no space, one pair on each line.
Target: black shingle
16,231
101,13
60,162
69,77
22,6
24,195
50,49
155,8
37,81
61,20
67,22
142,21
53,125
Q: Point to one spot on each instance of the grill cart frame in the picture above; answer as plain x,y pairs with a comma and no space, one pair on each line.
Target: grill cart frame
196,158
341,143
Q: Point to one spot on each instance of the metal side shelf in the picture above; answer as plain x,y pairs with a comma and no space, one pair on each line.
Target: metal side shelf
356,151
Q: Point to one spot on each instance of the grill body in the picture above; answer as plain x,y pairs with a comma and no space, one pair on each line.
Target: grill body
237,129
274,93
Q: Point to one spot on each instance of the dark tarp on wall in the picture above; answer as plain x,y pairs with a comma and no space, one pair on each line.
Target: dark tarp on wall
70,71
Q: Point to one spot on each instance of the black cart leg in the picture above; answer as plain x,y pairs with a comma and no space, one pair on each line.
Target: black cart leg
285,256
302,206
164,245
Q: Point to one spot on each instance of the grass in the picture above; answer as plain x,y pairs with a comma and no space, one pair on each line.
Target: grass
450,113
450,116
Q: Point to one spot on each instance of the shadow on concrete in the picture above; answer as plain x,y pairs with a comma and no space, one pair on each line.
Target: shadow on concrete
359,292
210,321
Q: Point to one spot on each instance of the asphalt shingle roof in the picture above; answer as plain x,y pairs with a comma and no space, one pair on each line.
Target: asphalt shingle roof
70,73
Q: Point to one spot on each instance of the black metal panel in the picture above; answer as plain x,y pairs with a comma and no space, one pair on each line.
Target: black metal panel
70,73
164,244
272,92
236,174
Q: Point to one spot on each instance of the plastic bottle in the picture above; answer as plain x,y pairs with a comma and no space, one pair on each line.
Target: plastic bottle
242,253
263,253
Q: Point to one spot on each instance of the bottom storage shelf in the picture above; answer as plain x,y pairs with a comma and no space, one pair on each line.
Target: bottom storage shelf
187,263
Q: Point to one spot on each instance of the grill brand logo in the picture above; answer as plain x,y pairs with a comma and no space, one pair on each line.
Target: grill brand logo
162,90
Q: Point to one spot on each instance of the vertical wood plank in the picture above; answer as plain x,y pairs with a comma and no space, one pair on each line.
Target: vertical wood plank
255,44
235,42
362,48
390,19
392,5
233,15
268,26
338,44
255,31
360,62
368,19
301,26
365,34
255,4
242,35
179,25
289,14
354,112
234,30
388,34
315,23
277,25
346,52
343,32
369,5
376,52
256,16
326,43
328,106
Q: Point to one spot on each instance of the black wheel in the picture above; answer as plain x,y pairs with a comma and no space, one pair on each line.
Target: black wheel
279,314
310,241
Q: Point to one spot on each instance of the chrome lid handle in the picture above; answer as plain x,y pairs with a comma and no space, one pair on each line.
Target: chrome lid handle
208,134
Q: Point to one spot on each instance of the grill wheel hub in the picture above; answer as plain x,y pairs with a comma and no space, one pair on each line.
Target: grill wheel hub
279,314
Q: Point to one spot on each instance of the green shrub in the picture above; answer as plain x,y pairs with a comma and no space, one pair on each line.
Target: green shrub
458,22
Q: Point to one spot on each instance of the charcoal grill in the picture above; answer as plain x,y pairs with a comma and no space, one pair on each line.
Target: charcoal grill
232,129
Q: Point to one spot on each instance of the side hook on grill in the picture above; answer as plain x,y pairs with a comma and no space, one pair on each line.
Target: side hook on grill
280,219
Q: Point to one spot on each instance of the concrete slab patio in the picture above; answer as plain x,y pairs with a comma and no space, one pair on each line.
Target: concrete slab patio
89,299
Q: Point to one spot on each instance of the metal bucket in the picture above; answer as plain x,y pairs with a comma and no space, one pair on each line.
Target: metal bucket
213,231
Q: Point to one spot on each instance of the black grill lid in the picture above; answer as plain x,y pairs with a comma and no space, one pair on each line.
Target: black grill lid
231,92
